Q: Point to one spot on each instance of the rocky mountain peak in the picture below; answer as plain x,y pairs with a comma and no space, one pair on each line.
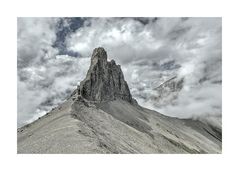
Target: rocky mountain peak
99,53
104,80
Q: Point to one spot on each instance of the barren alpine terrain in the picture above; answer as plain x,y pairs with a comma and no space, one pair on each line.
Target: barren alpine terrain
101,116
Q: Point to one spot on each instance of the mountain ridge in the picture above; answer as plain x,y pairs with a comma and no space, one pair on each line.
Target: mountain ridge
101,116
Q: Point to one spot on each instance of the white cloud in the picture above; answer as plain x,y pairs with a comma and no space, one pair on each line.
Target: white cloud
195,44
34,39
124,39
44,78
48,85
142,48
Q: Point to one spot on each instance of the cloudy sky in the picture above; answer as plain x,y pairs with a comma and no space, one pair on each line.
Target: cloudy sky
54,55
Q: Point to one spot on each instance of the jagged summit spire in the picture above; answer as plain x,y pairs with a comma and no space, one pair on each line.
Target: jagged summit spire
99,53
104,80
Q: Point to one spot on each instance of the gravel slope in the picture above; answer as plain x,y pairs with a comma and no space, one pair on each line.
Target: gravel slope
115,127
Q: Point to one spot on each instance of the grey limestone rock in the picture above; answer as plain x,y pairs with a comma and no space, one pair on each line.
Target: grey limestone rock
104,80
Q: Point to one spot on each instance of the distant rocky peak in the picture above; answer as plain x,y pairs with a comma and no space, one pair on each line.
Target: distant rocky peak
104,80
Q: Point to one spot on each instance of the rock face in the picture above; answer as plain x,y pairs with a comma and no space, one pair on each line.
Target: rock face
104,80
170,87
